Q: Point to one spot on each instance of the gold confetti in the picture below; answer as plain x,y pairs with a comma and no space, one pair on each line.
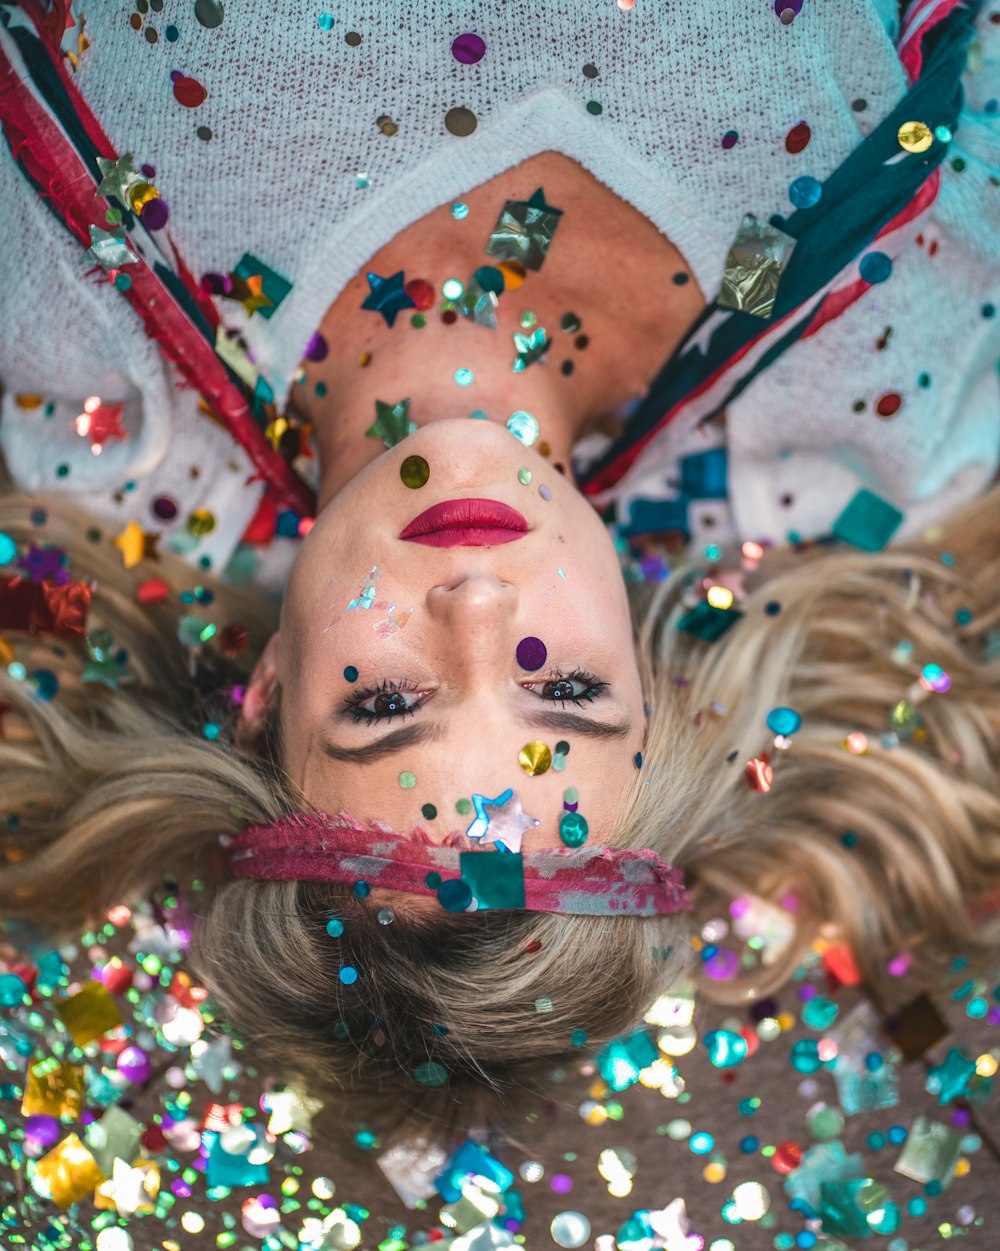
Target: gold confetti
89,1013
535,758
68,1173
53,1089
915,136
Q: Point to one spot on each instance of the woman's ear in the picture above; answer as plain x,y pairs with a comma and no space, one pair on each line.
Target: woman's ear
260,686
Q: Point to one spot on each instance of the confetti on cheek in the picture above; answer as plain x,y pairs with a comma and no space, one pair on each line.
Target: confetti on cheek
414,472
531,653
535,758
407,780
350,674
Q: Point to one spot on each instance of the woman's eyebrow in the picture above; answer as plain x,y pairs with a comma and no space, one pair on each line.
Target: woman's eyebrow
431,732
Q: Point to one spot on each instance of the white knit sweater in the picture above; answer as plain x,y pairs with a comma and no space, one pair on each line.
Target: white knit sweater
297,172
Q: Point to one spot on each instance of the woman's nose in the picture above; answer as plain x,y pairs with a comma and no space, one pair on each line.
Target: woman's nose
476,600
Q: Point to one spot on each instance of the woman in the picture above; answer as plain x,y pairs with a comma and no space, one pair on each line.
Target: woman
444,996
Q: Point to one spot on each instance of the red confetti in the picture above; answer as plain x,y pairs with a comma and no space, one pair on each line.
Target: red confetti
889,404
758,773
189,92
797,139
420,292
152,591
787,1157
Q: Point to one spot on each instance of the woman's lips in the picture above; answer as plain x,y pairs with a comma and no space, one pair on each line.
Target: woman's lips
466,523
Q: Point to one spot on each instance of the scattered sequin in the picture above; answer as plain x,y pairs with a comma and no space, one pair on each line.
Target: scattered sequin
460,121
414,472
469,49
523,426
531,654
535,758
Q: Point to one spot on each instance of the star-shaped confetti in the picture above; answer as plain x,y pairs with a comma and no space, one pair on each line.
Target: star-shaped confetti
289,1110
210,1059
108,672
529,348
950,1079
524,231
506,826
135,545
250,293
100,422
130,1190
392,422
111,251
387,296
119,177
44,562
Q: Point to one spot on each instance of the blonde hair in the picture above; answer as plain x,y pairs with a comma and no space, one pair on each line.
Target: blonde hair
106,790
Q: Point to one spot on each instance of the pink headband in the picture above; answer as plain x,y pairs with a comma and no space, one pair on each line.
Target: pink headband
589,881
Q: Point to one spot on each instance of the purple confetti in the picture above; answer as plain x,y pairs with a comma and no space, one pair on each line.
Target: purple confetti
531,654
468,49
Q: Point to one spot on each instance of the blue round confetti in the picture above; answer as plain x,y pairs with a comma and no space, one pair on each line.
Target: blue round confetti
454,895
12,990
335,927
325,21
805,192
45,683
8,549
875,267
350,674
783,721
573,829
348,975
362,890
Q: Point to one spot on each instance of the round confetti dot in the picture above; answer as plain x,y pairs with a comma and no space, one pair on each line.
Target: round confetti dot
431,1074
350,674
477,414
558,762
463,807
386,916
514,274
570,795
335,927
730,139
545,492
204,132
352,39
454,895
407,780
469,49
189,92
428,812
348,975
875,267
460,211
524,477
595,108
783,721
325,21
414,472
531,653
362,890
452,289
460,122
464,377
681,279
209,13
155,214
915,136
797,139
523,426
421,293
528,319
8,549
490,278
889,404
569,1229
805,192
573,829
590,71
535,758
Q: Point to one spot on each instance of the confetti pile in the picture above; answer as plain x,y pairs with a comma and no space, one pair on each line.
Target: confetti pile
131,1117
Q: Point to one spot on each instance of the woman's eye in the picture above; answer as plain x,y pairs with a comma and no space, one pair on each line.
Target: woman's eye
572,689
383,702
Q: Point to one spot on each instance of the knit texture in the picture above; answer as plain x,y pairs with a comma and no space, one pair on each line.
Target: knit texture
285,160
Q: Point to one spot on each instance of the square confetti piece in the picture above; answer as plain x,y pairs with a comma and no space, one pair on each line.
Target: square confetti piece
707,622
223,1169
916,1027
495,879
411,1168
867,522
756,260
115,1134
273,285
930,1153
470,1158
89,1013
53,1089
67,1174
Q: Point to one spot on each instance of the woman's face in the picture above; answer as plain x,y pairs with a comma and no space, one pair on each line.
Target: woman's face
406,684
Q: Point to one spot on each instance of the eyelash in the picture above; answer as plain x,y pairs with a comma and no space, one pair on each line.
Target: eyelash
353,703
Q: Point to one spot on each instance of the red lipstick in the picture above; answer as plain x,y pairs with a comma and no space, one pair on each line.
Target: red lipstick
466,523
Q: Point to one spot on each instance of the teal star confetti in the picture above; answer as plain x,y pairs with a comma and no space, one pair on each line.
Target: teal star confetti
387,296
109,672
392,422
524,231
529,348
950,1079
